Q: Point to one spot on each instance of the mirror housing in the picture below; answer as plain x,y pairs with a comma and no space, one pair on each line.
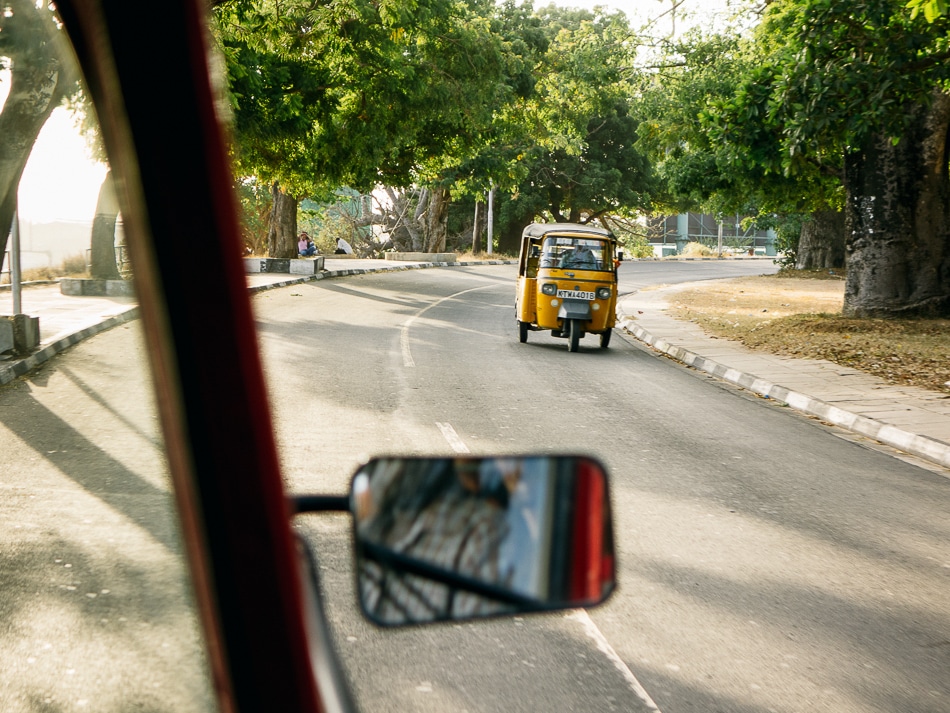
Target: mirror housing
447,539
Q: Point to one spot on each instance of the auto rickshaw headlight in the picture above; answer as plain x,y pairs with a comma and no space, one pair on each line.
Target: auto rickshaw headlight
603,293
549,288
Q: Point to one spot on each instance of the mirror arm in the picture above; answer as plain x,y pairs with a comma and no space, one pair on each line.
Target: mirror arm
411,565
320,503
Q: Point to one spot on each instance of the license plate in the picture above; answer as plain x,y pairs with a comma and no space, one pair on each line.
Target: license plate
575,295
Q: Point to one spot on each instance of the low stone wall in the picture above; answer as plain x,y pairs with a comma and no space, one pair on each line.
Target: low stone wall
19,333
290,266
87,287
423,257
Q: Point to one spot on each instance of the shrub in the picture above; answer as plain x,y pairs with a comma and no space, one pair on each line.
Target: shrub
697,250
74,265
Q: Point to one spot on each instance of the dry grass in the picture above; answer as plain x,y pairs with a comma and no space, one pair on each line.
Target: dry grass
469,256
72,266
799,316
697,250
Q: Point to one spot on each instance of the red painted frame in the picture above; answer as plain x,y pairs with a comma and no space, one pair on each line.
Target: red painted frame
146,71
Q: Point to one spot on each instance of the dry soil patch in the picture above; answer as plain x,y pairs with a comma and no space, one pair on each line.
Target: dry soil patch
799,317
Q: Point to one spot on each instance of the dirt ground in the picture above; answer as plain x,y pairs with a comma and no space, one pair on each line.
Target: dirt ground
797,314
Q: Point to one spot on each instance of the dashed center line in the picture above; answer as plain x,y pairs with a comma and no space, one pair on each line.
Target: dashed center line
590,628
453,438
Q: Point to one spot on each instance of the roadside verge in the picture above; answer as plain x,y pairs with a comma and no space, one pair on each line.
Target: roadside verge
910,420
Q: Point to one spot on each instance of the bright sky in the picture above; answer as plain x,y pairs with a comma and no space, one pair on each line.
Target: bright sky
688,13
60,182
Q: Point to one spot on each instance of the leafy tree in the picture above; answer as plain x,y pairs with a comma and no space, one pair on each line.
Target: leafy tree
849,92
352,92
707,126
933,9
568,129
869,79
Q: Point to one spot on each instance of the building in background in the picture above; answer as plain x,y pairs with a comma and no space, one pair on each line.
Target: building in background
670,234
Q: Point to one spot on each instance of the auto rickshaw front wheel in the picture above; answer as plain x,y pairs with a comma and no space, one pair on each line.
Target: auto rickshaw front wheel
574,334
522,331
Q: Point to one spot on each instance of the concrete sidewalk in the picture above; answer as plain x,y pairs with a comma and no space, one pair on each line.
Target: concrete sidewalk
910,419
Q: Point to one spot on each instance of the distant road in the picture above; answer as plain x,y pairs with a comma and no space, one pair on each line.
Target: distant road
637,274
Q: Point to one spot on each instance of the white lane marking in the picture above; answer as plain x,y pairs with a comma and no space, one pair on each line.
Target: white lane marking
590,628
404,342
404,333
453,438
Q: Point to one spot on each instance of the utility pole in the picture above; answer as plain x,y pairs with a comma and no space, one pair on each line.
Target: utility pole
15,274
24,330
491,212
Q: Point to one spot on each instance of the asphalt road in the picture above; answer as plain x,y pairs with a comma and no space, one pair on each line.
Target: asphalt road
765,563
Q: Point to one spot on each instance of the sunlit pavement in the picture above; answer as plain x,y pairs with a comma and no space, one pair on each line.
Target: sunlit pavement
911,420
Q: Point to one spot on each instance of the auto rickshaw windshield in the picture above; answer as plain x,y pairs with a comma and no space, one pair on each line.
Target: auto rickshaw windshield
577,253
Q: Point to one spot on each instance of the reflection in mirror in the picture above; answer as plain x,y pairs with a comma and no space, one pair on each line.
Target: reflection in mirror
456,538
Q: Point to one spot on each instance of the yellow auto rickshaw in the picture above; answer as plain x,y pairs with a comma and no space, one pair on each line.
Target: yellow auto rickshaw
567,282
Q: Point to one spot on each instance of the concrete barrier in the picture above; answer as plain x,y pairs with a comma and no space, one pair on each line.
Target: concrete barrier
6,334
290,266
19,333
87,287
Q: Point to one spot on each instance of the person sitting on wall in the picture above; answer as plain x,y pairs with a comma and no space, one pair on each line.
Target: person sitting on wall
305,246
342,247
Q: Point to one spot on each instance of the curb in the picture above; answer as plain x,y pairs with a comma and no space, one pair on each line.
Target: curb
27,364
921,446
369,270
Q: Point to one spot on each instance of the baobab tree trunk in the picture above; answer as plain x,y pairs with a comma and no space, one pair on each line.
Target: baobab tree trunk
102,242
898,219
822,241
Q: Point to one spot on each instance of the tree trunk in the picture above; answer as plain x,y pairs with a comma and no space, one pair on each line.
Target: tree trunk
419,228
34,93
102,262
477,231
437,220
898,219
821,243
282,227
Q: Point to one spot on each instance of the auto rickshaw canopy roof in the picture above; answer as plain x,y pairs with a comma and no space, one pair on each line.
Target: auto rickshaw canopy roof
539,230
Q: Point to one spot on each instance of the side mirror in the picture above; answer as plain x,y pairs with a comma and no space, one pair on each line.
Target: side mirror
441,539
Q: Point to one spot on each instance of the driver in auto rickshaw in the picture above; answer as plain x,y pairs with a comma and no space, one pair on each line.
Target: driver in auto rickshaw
581,257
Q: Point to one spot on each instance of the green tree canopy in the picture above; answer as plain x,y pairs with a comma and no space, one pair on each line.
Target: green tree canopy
564,145
856,90
352,92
